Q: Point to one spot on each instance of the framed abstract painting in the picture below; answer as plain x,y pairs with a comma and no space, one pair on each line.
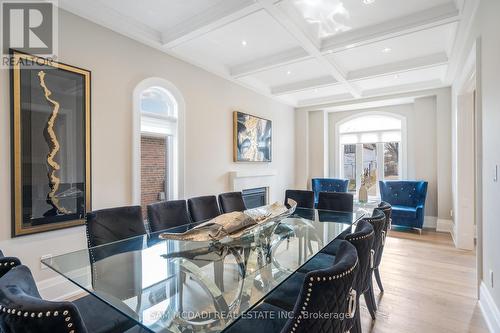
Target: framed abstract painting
50,144
252,138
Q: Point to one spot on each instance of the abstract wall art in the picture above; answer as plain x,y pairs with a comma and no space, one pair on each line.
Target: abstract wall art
50,144
252,138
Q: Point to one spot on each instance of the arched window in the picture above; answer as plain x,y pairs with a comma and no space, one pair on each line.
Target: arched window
157,162
371,148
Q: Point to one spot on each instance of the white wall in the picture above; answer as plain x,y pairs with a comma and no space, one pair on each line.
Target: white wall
118,64
486,27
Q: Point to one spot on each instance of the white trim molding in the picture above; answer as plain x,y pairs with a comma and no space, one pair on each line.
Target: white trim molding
489,309
58,288
430,222
444,225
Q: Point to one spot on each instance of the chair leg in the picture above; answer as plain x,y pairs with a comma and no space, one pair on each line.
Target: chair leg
379,281
370,302
356,328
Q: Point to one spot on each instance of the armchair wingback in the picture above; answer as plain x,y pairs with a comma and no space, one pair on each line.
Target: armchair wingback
407,199
328,185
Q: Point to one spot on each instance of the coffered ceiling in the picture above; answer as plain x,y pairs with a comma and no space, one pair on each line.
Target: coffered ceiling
302,52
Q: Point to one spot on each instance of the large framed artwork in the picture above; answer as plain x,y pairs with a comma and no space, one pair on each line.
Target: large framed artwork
252,138
50,144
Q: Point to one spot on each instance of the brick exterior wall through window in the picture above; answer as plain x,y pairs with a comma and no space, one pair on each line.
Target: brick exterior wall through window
153,170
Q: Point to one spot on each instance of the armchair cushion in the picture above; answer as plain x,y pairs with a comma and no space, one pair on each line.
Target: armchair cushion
404,212
407,199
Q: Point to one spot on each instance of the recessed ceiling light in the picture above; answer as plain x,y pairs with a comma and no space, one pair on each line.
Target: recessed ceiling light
244,42
368,2
288,72
387,50
396,76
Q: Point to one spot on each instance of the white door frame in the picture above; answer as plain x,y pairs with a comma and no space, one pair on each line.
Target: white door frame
470,82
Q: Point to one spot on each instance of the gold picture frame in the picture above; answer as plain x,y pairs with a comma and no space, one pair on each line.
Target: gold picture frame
28,91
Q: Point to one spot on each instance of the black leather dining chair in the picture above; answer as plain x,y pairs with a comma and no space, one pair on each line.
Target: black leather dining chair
114,224
321,291
231,202
339,201
377,220
304,199
387,209
203,208
108,226
362,239
23,310
167,214
7,263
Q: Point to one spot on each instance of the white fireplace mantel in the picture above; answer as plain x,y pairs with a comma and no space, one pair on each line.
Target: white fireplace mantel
244,180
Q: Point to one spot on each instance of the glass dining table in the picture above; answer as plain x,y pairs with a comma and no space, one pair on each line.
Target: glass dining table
168,285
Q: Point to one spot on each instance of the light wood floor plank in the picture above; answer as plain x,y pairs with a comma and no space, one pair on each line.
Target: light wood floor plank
430,286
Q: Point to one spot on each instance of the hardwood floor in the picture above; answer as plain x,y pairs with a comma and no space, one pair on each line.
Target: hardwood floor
429,287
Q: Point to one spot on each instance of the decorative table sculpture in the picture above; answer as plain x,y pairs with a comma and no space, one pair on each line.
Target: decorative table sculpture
234,224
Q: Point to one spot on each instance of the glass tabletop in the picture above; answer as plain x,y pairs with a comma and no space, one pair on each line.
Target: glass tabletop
173,286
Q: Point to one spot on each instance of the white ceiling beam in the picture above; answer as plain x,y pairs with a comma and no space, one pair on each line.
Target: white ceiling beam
423,20
303,85
222,14
325,99
419,89
464,31
307,44
398,67
268,62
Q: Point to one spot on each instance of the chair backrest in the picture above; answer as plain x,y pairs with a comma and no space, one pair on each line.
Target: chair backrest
7,263
342,202
203,208
403,192
328,185
304,199
231,202
22,310
114,224
167,214
362,239
327,291
386,208
377,220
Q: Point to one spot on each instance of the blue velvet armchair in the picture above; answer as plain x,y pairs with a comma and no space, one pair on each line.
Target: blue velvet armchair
407,199
328,185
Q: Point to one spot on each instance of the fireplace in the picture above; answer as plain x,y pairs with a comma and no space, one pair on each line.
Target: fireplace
255,197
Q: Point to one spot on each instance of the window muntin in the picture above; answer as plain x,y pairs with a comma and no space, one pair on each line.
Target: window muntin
349,165
376,143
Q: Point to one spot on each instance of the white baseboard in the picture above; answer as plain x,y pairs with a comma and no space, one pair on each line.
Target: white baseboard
489,309
444,225
430,222
59,288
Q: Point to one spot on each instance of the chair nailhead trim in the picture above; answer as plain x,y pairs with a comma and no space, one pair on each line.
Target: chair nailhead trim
9,263
362,237
304,307
27,314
